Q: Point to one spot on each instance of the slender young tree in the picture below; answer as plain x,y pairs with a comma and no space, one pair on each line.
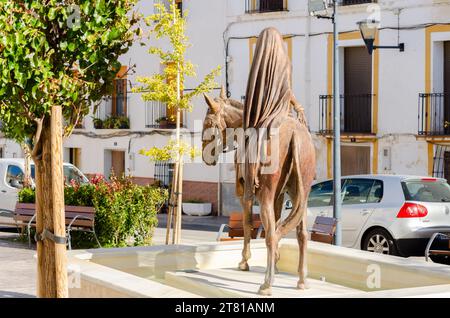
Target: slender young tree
168,87
56,59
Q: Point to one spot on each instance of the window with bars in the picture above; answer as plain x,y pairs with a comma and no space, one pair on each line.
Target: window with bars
167,3
119,100
260,6
441,162
352,2
163,173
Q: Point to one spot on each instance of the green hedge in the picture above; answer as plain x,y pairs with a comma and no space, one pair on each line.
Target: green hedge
125,213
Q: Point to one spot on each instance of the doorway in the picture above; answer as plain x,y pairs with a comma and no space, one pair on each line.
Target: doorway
114,161
355,160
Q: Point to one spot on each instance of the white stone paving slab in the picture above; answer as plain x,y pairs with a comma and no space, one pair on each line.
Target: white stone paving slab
230,282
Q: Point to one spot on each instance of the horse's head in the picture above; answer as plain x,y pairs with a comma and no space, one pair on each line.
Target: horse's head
214,128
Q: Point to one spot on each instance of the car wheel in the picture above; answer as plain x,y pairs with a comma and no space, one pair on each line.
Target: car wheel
379,241
441,259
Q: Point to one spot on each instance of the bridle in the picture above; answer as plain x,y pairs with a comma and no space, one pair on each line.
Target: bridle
216,125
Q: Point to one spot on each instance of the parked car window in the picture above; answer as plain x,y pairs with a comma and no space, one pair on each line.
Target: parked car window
14,177
320,194
356,191
70,173
426,191
376,193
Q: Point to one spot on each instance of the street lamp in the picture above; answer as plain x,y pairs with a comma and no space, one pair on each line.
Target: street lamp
368,29
316,6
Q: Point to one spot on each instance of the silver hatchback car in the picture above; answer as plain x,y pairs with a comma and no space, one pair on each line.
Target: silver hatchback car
387,214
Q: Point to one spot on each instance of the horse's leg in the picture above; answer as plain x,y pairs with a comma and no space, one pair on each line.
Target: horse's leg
278,209
266,202
279,206
302,238
248,228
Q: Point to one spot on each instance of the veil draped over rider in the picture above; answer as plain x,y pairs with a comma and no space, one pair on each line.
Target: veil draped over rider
268,98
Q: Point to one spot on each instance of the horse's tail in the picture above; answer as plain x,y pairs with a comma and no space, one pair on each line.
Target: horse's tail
294,218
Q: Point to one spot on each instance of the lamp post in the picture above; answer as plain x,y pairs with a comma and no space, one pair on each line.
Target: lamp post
368,29
337,131
315,6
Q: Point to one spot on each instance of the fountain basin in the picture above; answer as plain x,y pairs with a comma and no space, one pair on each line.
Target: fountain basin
209,270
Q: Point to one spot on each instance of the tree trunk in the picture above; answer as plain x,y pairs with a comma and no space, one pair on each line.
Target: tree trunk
51,257
172,203
179,202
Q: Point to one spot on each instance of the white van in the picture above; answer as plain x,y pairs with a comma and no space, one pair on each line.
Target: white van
11,179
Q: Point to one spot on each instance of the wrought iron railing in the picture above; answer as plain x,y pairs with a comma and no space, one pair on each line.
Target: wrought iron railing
163,173
260,6
356,113
434,114
441,157
156,116
112,113
351,2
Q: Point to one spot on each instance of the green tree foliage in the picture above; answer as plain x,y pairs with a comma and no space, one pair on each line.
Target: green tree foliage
55,52
169,25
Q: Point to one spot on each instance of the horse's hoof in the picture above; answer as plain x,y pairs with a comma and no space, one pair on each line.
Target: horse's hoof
243,266
276,270
265,290
302,285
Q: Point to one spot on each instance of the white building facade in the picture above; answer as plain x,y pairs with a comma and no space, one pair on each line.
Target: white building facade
394,105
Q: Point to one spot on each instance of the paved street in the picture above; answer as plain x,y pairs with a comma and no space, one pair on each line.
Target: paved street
17,268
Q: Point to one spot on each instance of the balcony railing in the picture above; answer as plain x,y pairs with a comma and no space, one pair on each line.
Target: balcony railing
434,114
356,114
352,2
156,116
260,6
112,113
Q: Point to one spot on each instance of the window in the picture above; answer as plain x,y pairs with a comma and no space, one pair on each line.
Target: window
357,99
361,191
376,193
252,6
119,101
320,194
163,173
73,174
426,191
70,173
167,3
179,4
351,2
14,177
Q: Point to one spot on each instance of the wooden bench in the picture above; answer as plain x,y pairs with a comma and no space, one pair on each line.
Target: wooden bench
78,218
236,227
7,218
429,252
323,229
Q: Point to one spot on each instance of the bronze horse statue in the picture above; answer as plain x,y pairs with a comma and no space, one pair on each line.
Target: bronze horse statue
294,176
281,138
